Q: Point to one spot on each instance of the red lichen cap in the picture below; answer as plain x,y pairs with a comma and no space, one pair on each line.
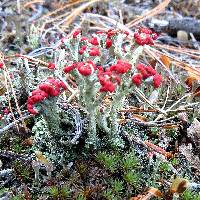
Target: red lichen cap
31,109
137,79
108,87
35,99
40,92
94,52
145,30
82,49
157,79
69,68
151,71
146,71
145,36
1,65
140,66
85,69
108,43
51,66
111,32
76,33
94,41
6,111
52,87
45,87
84,39
54,91
121,67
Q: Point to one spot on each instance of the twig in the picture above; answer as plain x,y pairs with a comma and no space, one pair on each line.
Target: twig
6,84
5,128
18,7
68,5
30,3
141,95
167,96
112,21
149,14
161,152
139,110
177,102
195,41
68,86
11,155
75,93
149,124
7,76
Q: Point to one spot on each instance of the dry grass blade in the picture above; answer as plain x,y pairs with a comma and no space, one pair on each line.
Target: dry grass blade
150,51
7,88
69,19
68,5
28,4
91,16
149,14
138,110
190,52
8,80
193,71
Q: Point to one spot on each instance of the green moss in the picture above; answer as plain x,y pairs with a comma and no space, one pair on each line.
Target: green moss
189,195
18,197
129,161
109,161
117,186
164,166
108,194
80,197
131,177
53,192
22,171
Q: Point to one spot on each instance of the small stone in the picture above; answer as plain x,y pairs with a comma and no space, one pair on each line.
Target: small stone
182,36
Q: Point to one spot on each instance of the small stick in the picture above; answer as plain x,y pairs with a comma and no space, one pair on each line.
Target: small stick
5,128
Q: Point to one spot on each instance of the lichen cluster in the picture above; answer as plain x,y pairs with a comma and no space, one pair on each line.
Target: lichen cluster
103,67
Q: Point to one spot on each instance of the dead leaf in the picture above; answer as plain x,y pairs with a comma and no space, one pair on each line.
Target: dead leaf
41,158
27,142
155,192
193,83
122,121
153,62
179,185
197,92
189,81
170,126
166,61
137,198
139,118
